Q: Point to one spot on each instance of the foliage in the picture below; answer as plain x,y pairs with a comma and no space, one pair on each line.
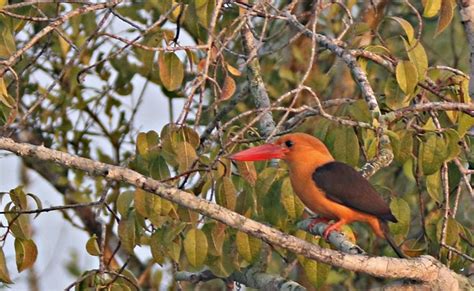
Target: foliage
74,89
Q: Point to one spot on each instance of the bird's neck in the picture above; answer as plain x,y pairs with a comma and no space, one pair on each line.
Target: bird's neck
305,167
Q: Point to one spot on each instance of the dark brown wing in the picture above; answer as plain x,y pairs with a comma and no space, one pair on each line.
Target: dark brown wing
344,185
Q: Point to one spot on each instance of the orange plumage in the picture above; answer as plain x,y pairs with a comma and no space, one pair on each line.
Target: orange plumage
326,187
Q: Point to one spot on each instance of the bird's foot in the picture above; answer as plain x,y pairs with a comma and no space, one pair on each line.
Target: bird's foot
317,220
333,227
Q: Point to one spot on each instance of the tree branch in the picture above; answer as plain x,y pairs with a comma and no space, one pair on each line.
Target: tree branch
423,268
335,238
466,9
249,277
257,86
81,10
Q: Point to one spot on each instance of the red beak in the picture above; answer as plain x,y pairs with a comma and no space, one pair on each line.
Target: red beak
260,153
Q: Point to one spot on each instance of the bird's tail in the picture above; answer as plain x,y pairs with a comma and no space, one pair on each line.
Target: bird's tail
390,240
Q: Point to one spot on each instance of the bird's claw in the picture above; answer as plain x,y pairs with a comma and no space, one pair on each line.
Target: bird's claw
317,220
329,229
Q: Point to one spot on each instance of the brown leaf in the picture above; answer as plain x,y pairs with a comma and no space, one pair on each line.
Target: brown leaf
26,253
228,89
445,16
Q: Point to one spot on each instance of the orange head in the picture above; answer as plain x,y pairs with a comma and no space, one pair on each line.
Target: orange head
294,148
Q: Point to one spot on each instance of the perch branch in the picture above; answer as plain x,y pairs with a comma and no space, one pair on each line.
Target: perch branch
424,268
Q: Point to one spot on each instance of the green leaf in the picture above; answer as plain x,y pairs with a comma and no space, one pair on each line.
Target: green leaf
7,39
19,224
273,211
432,8
185,155
465,123
407,76
246,201
394,96
452,231
204,10
92,246
159,169
433,153
402,145
141,203
19,198
445,15
26,253
195,247
189,135
452,139
344,144
215,233
173,250
265,180
221,266
157,247
4,275
147,144
187,215
171,71
127,232
226,194
401,210
292,204
39,204
417,55
247,171
407,27
316,272
248,246
433,186
124,202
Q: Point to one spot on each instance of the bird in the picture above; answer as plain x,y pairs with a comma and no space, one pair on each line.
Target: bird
329,188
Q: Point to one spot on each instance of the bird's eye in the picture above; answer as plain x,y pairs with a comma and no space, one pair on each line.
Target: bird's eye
289,143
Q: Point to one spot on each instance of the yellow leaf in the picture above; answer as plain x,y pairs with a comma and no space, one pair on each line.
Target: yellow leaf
247,246
407,77
171,71
4,275
5,99
409,31
92,247
432,8
195,247
234,71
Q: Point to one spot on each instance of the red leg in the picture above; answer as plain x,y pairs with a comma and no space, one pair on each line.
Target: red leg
332,227
317,220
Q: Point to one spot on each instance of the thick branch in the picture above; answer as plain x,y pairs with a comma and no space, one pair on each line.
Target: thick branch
249,277
257,86
424,268
347,57
466,8
335,238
